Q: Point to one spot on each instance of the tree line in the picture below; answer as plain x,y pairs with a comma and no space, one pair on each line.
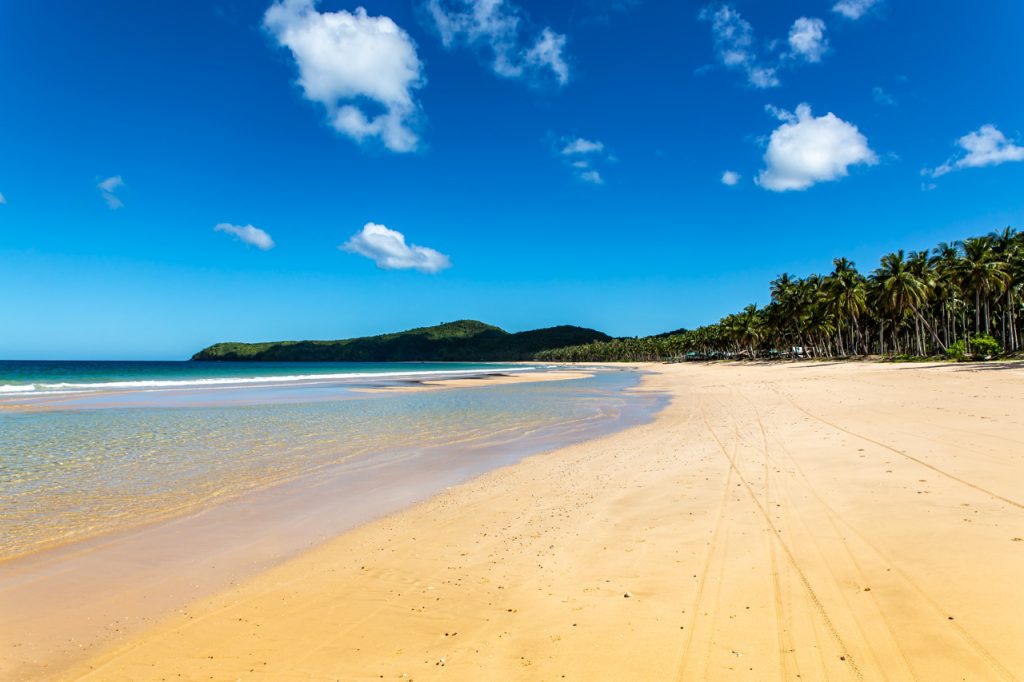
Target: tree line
959,299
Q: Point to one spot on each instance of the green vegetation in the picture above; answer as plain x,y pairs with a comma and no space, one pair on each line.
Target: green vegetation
466,340
984,347
960,300
948,301
957,351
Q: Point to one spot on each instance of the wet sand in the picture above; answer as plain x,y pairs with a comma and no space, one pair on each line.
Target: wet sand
63,604
483,381
813,521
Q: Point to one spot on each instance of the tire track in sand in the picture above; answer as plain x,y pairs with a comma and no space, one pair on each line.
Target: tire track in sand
815,600
901,453
836,518
840,539
684,657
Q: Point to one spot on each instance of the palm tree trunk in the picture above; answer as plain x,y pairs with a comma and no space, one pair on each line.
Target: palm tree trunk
977,310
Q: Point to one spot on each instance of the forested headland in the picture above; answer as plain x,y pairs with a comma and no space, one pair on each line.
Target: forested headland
463,340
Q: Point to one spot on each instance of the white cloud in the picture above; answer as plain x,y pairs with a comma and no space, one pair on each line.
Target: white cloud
108,187
854,9
248,234
807,39
580,145
547,51
734,43
3,199
805,150
986,146
387,248
347,58
581,155
501,30
731,178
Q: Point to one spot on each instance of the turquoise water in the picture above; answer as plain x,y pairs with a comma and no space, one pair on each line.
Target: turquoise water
21,377
107,460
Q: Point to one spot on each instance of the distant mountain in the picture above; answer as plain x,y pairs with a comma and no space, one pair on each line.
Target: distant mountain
464,340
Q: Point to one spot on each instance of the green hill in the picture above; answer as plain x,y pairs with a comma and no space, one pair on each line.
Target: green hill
464,340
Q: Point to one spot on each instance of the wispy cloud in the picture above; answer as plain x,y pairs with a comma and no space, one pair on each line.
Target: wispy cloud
882,97
807,39
854,9
731,178
345,59
108,187
805,150
986,146
253,236
580,145
3,199
736,47
504,35
387,248
601,11
582,155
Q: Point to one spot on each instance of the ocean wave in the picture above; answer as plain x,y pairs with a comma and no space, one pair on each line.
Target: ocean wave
157,384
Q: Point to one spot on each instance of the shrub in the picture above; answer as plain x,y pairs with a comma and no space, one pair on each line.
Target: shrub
957,351
984,346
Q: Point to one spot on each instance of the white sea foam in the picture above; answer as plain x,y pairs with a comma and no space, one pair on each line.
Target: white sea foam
158,384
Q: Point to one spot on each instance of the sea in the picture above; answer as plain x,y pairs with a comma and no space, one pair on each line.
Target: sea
93,448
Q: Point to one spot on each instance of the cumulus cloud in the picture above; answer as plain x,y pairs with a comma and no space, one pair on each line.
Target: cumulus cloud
501,31
387,248
853,9
735,45
807,39
986,146
108,187
582,155
248,234
347,60
805,150
731,178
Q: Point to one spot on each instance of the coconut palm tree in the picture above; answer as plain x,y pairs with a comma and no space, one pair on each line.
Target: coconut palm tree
901,292
1006,245
944,261
981,271
847,295
1015,273
913,302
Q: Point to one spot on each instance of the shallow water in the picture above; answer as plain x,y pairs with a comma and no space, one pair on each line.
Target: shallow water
109,461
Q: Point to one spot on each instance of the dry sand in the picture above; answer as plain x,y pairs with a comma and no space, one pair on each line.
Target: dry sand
851,521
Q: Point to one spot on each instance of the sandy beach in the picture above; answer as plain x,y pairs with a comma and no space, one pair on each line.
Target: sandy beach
813,521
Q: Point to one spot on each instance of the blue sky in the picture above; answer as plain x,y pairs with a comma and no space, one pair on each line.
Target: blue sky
457,123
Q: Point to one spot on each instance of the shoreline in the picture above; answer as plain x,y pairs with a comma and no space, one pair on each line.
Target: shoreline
142,396
113,585
850,522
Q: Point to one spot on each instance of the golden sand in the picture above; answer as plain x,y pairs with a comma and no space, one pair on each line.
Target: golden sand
850,521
